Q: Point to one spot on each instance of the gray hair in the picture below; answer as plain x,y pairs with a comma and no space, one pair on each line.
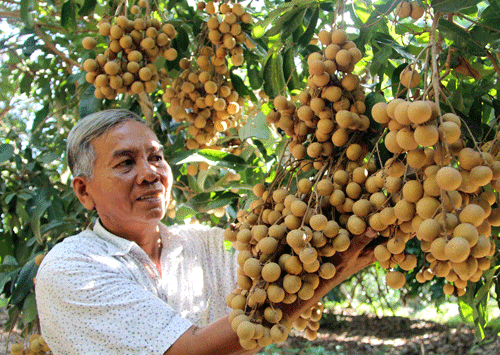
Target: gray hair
79,150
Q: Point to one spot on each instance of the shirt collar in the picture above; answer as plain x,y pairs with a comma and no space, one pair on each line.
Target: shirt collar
118,246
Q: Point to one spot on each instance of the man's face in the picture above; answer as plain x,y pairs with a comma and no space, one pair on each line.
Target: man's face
131,182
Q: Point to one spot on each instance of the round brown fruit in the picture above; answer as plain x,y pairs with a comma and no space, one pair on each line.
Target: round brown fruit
395,279
89,43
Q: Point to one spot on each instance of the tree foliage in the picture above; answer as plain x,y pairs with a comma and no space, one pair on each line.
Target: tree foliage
455,46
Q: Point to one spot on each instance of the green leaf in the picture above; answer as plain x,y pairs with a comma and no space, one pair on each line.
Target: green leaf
40,117
491,16
41,204
49,157
309,32
452,5
6,152
274,78
255,127
240,86
259,29
5,277
474,118
209,200
68,15
25,85
9,260
88,102
181,41
214,157
290,69
30,45
23,283
87,7
457,99
380,58
171,4
465,310
25,12
284,19
395,80
254,77
292,24
29,312
460,37
269,85
184,212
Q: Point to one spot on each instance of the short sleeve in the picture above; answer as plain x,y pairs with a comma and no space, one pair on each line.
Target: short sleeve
207,270
89,304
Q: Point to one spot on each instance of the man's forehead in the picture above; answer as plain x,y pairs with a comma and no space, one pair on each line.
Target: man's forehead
129,135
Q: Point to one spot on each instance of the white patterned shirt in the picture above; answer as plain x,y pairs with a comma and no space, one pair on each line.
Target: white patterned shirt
101,294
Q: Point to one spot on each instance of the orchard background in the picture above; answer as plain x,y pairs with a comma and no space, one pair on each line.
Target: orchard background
54,72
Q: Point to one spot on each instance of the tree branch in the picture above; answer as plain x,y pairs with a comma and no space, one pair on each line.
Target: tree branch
494,62
15,14
50,46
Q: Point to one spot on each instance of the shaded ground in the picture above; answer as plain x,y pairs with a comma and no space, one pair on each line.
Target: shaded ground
351,334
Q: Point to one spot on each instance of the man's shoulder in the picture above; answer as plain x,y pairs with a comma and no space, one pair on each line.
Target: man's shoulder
196,230
83,243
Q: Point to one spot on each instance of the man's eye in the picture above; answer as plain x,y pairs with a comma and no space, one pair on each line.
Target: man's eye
126,162
157,158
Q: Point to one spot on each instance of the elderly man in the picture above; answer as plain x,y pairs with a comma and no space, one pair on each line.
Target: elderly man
131,285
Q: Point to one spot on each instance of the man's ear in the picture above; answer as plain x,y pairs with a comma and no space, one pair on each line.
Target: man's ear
80,186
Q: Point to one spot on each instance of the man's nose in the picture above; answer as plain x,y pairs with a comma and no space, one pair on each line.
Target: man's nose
146,173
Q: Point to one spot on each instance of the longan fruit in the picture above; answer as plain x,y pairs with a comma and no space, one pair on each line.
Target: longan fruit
104,29
90,65
416,11
116,32
379,113
339,37
318,222
403,10
271,272
89,43
473,214
134,56
350,82
409,78
419,112
395,279
426,136
343,58
327,270
210,87
275,293
39,258
448,178
449,132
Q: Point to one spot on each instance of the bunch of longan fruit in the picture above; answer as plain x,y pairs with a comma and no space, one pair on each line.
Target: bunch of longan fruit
434,188
445,195
37,346
133,46
330,108
225,30
202,95
287,238
411,9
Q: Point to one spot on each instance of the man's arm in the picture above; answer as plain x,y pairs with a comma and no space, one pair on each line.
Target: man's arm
219,338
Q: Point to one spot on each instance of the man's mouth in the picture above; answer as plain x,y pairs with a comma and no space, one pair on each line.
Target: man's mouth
155,195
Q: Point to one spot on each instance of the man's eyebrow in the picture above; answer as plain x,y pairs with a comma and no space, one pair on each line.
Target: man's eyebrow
131,152
124,152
